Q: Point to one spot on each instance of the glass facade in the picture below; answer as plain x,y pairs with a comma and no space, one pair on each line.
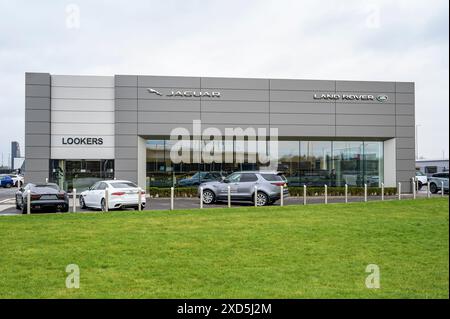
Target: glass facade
312,163
80,174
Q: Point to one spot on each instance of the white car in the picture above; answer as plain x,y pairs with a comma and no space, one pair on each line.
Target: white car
421,179
17,179
122,194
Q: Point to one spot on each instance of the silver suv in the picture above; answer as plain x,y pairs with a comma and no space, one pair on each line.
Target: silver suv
436,182
242,187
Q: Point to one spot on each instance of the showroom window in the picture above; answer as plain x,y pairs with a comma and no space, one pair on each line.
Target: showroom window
314,163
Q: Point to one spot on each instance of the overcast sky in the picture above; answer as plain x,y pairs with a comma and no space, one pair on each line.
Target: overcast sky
338,40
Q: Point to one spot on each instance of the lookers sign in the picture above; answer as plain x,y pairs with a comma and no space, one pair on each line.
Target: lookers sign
82,140
181,93
351,97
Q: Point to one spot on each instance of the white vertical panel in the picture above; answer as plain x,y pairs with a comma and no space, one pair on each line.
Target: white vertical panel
390,163
82,106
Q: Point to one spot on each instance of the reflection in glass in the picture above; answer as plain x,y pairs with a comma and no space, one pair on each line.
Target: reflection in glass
348,166
315,163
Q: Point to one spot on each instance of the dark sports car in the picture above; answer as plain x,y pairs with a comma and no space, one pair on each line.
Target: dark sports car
44,197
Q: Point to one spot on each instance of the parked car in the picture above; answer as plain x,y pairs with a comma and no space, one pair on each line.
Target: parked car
17,179
6,181
242,187
436,182
122,194
198,178
421,179
42,197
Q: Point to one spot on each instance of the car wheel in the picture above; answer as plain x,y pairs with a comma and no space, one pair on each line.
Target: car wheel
65,209
419,186
17,204
103,205
82,203
433,188
208,197
262,199
8,185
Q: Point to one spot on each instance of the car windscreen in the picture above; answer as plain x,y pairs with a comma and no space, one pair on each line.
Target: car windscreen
272,177
123,185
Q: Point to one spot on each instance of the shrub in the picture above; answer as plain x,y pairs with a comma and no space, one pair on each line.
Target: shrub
293,191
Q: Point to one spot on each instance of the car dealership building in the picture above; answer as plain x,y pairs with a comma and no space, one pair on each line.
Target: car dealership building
80,129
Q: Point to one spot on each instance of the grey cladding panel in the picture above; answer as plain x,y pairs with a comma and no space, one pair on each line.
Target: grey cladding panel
169,105
37,165
365,131
37,128
405,109
38,152
405,120
126,140
125,80
405,153
37,140
37,115
405,131
125,164
37,90
235,118
294,107
126,116
229,83
236,106
302,85
37,78
168,117
302,119
37,103
405,142
366,120
359,108
168,81
406,164
370,86
405,87
126,104
304,130
126,153
406,98
125,92
405,177
126,128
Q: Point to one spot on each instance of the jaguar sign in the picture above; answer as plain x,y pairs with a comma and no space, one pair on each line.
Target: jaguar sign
187,93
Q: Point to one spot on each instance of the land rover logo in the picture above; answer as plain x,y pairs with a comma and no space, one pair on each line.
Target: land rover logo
180,93
382,98
350,97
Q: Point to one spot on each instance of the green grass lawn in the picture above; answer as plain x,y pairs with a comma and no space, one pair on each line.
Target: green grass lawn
315,251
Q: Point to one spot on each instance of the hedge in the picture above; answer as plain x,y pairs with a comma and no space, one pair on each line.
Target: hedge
293,191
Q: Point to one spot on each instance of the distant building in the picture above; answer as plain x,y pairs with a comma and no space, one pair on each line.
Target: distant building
430,167
15,152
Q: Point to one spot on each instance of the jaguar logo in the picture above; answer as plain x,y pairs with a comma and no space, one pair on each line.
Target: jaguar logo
189,93
382,98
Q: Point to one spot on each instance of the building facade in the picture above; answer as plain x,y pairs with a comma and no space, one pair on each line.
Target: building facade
83,128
